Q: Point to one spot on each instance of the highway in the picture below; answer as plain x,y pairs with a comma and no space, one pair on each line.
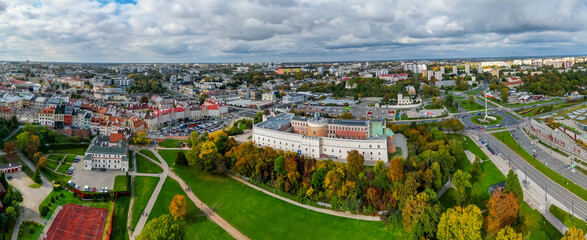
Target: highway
553,189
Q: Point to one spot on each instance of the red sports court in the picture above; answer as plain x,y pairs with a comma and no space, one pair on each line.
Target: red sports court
79,223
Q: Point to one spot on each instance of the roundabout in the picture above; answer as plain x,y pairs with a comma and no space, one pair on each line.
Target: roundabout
490,120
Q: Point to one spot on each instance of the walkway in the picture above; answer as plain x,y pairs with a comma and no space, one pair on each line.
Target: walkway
203,207
315,209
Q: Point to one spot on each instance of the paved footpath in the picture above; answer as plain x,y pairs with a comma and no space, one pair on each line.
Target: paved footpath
315,209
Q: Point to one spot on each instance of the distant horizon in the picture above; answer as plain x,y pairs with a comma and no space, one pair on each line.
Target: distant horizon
313,62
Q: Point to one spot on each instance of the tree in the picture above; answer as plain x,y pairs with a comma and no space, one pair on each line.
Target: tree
32,146
163,227
37,176
354,164
460,223
396,169
462,182
178,208
347,115
3,179
144,99
181,159
574,234
476,169
504,95
437,175
512,185
22,139
278,166
42,162
421,214
471,99
141,139
503,210
508,233
9,147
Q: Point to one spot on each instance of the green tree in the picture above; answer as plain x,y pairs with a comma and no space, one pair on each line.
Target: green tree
471,99
37,176
22,139
462,182
279,167
164,228
476,169
354,164
508,233
504,95
460,223
181,159
512,184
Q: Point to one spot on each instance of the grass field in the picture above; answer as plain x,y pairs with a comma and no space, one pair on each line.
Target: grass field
143,189
30,230
120,184
515,105
474,92
172,143
120,218
529,112
52,164
170,155
70,158
471,107
76,151
475,119
51,176
260,216
56,157
149,154
63,168
145,165
69,198
198,226
566,218
508,140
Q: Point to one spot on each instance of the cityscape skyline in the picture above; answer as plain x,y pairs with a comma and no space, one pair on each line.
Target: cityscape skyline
285,31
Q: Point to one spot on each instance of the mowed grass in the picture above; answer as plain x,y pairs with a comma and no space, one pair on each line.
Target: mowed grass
260,216
52,164
30,230
63,168
68,197
170,155
198,225
143,189
75,151
119,227
566,218
508,140
55,157
149,154
120,183
145,165
172,143
70,158
471,107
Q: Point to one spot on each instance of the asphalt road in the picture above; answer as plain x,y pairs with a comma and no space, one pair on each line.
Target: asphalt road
553,189
508,120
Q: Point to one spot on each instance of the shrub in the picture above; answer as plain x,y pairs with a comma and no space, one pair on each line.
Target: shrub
44,210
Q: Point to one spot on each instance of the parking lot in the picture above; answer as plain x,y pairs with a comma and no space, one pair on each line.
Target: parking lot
94,178
184,128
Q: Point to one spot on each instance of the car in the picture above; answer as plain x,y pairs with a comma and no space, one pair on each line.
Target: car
86,188
93,189
8,177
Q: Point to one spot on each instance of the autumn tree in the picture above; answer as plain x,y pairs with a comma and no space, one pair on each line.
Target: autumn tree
396,169
508,233
354,164
460,223
42,162
144,99
9,147
32,146
140,139
462,182
421,214
512,185
503,210
37,156
574,234
347,115
163,227
504,95
178,208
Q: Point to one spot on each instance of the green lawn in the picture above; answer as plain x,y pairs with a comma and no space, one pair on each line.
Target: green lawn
429,106
474,92
515,105
30,230
76,151
56,157
145,165
70,158
143,189
476,119
172,143
170,155
52,164
490,175
534,226
567,219
120,184
63,168
545,109
471,107
398,152
260,216
508,140
51,176
69,198
198,226
119,227
149,154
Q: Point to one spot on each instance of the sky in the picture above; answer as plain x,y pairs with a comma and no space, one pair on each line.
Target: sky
177,31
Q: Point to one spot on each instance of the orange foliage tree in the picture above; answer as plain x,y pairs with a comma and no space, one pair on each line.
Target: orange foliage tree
503,211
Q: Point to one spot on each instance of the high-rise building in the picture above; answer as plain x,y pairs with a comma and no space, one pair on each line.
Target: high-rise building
467,69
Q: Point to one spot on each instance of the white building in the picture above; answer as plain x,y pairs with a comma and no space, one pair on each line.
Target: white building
294,98
105,152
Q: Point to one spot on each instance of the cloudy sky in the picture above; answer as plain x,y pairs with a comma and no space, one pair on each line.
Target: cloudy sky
282,30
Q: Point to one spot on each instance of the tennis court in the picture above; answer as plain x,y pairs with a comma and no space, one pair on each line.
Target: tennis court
79,223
